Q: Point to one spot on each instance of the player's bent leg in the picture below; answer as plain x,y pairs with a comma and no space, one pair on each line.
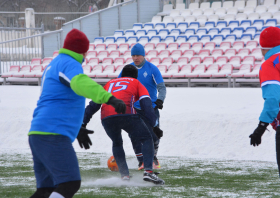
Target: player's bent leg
42,193
113,128
66,190
139,132
278,147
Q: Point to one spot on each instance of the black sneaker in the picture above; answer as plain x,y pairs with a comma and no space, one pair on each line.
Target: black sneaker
152,177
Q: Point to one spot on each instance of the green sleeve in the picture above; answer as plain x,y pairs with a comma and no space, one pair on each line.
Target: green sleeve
83,85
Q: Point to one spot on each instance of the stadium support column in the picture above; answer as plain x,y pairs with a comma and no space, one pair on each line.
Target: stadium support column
29,23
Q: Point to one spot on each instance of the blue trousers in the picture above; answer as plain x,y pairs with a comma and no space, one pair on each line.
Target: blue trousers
55,160
137,147
137,130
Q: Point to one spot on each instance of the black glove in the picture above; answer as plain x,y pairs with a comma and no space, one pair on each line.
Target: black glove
159,103
118,104
259,131
158,132
83,138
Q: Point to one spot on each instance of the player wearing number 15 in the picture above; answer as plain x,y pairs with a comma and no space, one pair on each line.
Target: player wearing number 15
130,90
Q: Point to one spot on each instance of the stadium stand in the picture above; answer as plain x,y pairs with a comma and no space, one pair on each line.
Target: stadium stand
203,41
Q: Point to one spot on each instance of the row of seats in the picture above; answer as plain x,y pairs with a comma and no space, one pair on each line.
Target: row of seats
202,19
196,46
240,5
26,71
177,71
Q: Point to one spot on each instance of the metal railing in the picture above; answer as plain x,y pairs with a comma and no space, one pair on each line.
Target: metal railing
22,50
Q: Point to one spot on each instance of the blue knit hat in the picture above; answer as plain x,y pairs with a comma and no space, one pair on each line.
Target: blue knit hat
138,49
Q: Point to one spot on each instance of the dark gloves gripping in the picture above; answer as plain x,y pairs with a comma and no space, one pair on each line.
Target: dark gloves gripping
158,132
159,103
83,138
118,104
257,134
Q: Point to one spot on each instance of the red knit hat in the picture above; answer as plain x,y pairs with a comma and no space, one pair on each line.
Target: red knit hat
76,41
270,37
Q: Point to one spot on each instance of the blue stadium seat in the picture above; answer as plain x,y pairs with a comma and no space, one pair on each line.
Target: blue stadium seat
121,39
175,32
221,24
257,37
230,38
182,26
137,26
160,26
119,33
194,25
218,39
143,40
213,31
99,40
132,39
205,38
192,39
140,33
151,33
170,26
129,33
110,39
189,32
148,26
210,24
246,37
259,23
170,39
225,31
251,30
163,33
271,22
245,23
238,31
201,31
181,39
155,39
233,24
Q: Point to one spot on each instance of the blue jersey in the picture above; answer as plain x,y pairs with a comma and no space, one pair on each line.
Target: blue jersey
149,76
59,109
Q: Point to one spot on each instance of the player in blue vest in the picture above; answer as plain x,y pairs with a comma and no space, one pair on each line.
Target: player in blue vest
58,118
151,78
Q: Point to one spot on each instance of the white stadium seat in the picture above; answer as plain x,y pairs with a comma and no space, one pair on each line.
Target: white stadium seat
174,13
208,12
179,19
276,16
204,5
213,18
167,19
241,17
221,12
186,69
240,5
213,69
185,13
197,12
227,4
216,4
266,15
202,20
249,10
166,9
180,6
272,9
253,16
172,69
193,6
246,68
232,10
198,69
229,17
225,71
268,3
251,3
254,72
261,9
156,19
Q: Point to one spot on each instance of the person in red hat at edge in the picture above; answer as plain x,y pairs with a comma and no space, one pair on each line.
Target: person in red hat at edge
58,117
270,83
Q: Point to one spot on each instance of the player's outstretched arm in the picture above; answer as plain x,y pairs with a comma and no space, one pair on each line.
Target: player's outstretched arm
83,85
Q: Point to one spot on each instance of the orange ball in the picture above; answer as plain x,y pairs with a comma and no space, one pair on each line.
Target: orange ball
112,164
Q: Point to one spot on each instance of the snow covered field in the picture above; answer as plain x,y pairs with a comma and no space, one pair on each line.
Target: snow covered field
197,122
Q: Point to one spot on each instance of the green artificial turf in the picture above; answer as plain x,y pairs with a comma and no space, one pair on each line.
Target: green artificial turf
184,177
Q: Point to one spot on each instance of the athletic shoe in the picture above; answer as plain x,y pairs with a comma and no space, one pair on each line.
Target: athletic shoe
126,178
141,166
152,177
156,164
